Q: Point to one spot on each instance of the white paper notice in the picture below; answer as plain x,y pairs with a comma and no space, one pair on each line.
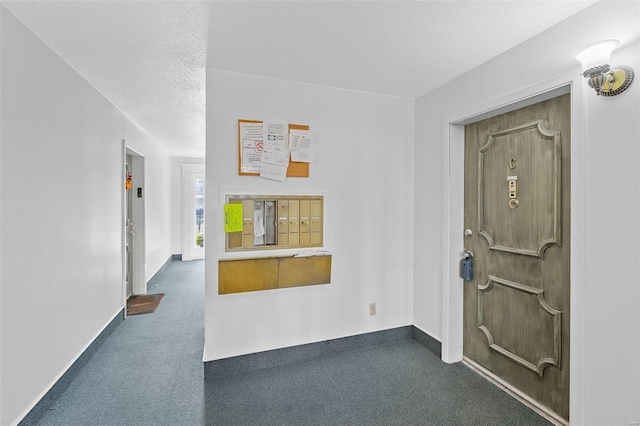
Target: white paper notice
274,171
275,147
251,139
303,148
258,228
294,139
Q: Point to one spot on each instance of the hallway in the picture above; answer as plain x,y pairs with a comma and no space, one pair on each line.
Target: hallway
149,372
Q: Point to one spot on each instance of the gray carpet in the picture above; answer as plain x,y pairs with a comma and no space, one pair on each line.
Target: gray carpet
149,372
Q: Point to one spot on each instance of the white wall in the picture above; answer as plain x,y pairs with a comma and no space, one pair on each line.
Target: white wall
605,330
62,181
1,136
61,175
612,247
364,165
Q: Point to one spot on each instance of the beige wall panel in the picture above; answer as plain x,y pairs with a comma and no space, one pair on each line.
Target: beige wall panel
300,271
237,276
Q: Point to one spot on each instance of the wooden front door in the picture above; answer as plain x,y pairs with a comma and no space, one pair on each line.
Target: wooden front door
517,225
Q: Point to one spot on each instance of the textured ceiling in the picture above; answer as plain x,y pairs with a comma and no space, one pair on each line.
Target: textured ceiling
398,48
149,57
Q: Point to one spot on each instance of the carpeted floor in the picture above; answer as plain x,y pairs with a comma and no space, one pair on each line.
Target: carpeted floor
149,372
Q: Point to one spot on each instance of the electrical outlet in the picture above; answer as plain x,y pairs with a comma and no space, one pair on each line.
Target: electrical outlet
372,309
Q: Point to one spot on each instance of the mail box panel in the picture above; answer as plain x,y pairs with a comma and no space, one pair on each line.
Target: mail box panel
283,222
305,239
247,223
305,222
283,239
283,216
294,215
294,238
305,215
247,217
235,238
280,221
316,222
315,238
247,240
294,222
237,276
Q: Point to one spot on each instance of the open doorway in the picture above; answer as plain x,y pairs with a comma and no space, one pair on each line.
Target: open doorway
198,229
193,211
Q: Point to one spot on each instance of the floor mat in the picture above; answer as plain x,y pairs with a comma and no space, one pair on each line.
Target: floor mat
143,304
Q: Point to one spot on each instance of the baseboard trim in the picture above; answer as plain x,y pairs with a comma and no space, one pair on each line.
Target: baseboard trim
515,393
46,402
261,360
159,272
433,345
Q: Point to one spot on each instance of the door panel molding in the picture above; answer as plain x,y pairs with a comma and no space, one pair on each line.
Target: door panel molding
541,196
554,315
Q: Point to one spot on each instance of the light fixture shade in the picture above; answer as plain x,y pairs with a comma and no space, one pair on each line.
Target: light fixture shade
596,54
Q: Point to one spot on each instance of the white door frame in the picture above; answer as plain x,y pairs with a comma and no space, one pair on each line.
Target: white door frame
138,252
123,226
453,221
189,173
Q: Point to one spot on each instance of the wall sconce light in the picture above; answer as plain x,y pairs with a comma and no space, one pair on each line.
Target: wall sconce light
606,80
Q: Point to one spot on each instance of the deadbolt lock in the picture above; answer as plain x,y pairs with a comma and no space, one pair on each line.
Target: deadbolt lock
513,191
513,186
